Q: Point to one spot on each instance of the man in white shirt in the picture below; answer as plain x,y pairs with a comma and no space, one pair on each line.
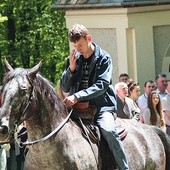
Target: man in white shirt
143,99
161,84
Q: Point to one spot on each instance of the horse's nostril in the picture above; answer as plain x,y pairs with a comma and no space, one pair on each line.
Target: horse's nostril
4,129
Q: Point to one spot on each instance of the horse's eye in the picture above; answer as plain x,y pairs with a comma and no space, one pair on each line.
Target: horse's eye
23,90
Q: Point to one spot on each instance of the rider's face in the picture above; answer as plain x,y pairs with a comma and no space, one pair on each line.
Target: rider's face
82,45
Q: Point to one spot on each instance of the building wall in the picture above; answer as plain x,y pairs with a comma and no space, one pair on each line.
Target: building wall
106,38
152,34
138,38
162,49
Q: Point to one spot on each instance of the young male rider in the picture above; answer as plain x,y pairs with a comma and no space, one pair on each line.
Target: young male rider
88,78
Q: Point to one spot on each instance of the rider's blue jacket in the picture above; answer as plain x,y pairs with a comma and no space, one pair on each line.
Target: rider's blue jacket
100,91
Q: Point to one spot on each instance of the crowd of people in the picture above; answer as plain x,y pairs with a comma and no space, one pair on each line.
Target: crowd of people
153,105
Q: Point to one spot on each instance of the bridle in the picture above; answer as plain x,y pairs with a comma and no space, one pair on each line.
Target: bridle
56,130
29,101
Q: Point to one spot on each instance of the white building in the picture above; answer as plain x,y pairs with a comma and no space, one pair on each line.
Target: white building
135,32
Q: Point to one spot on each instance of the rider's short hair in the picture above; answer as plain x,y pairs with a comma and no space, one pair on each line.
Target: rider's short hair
77,32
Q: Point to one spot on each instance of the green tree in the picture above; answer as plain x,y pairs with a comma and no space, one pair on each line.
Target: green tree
33,32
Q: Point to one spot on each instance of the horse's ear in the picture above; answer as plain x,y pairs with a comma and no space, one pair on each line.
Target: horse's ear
8,67
33,71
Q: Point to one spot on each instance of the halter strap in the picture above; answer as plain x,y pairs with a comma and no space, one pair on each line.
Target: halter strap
21,144
50,134
88,139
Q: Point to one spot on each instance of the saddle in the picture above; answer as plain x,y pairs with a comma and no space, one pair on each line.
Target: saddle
94,134
86,113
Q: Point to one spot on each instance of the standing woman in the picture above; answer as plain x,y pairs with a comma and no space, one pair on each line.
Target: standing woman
153,115
134,93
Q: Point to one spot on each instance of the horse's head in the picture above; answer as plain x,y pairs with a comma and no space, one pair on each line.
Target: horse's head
16,96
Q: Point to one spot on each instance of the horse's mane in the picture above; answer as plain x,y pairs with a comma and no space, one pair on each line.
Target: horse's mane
46,89
48,93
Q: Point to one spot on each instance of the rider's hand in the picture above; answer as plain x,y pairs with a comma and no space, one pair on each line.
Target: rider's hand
70,100
73,59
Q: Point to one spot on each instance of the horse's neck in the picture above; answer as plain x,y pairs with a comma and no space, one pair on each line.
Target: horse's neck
47,115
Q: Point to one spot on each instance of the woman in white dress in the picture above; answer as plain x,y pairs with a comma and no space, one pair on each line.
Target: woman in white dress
153,115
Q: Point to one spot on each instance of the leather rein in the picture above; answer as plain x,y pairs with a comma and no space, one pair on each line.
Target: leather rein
56,130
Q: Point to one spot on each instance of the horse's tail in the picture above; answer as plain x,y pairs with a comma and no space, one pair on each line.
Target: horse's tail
166,142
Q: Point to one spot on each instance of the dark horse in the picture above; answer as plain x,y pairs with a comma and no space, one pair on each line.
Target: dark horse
27,96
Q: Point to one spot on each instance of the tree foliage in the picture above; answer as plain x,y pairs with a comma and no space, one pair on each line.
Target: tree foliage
32,32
